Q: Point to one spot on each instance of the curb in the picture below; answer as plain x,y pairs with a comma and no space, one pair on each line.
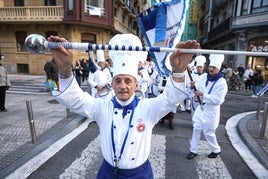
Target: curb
250,142
253,163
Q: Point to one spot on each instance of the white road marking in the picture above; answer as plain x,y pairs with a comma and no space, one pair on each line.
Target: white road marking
157,156
89,155
33,164
207,167
79,167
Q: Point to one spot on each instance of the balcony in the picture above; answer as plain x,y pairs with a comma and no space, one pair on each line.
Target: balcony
31,14
122,28
220,29
252,20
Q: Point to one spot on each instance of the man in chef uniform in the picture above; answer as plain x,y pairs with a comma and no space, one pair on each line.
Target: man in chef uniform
200,61
212,92
100,81
143,78
125,122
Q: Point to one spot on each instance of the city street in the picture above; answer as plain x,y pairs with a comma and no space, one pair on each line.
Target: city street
81,157
42,139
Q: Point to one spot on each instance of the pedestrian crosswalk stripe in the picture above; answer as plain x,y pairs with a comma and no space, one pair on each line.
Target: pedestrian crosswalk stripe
206,167
210,168
157,155
92,152
88,158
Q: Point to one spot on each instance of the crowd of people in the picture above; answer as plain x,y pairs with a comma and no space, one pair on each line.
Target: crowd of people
244,78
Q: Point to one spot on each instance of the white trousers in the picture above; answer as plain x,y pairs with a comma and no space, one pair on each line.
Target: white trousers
210,135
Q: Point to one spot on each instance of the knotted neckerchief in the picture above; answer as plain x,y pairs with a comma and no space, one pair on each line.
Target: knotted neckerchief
199,73
130,106
213,78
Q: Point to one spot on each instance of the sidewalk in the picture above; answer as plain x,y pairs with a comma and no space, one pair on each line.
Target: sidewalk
50,121
51,124
244,133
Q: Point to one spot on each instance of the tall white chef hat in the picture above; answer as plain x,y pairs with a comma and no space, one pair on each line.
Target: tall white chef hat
126,62
100,56
191,65
200,60
216,60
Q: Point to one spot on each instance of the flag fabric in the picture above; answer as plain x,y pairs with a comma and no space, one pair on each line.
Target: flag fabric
161,25
263,90
97,11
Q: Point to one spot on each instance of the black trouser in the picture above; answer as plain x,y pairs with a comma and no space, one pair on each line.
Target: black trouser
248,85
2,97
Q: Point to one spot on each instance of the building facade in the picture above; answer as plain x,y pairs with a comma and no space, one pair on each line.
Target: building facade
239,25
94,21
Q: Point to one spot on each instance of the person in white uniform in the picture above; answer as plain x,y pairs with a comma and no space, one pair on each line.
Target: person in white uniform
186,104
212,92
125,122
143,80
160,84
200,61
100,81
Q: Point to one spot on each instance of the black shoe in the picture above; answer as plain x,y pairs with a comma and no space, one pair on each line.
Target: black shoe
191,155
3,110
162,121
213,155
171,126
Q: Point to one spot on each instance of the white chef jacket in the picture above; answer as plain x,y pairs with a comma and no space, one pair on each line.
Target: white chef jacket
99,77
148,112
210,114
197,79
143,82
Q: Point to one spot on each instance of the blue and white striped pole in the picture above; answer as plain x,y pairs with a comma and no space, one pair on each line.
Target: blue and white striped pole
37,44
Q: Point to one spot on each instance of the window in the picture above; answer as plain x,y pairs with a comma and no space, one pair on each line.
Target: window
20,38
94,7
70,5
259,6
50,2
88,38
265,2
245,7
256,4
95,3
18,2
23,68
48,33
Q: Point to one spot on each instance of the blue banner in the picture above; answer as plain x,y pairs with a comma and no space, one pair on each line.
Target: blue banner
161,25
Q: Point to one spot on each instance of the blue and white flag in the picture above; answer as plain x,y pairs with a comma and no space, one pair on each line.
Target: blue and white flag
96,11
263,90
161,25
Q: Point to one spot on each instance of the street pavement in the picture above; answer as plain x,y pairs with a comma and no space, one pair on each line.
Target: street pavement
35,121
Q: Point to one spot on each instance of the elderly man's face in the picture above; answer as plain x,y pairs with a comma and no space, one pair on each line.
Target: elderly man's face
124,86
213,70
